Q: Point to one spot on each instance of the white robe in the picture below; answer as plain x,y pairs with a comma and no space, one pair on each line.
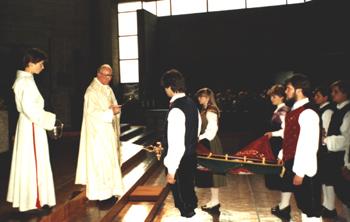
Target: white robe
99,162
30,168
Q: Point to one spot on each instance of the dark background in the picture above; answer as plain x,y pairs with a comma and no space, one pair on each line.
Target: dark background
241,50
248,49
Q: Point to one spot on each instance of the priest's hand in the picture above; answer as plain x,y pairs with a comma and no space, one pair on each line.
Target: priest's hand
116,109
170,178
268,134
297,180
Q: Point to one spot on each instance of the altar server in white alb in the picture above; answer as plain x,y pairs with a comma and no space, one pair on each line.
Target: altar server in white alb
98,161
31,182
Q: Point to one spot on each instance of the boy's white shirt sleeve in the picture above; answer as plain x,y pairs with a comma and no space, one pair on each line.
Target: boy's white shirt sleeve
176,140
279,133
305,160
342,141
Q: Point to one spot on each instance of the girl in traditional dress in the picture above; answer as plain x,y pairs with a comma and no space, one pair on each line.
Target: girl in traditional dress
210,115
274,182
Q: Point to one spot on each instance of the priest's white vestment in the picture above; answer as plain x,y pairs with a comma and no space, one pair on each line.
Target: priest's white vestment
99,150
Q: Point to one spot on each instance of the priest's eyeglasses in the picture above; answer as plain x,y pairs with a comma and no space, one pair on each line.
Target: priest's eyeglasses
106,75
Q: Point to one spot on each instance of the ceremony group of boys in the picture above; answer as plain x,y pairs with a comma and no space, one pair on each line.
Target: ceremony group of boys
314,149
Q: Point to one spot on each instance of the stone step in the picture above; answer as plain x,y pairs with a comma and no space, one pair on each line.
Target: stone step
145,138
146,193
146,200
91,211
69,196
132,132
124,127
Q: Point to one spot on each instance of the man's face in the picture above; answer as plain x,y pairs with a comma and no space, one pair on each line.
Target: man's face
37,67
276,100
338,96
169,92
105,76
290,92
319,98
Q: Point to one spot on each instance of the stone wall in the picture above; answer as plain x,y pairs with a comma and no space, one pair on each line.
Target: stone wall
76,34
4,133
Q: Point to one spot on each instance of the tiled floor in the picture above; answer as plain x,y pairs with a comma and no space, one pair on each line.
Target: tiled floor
244,199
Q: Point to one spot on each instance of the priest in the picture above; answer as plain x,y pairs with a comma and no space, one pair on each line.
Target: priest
99,150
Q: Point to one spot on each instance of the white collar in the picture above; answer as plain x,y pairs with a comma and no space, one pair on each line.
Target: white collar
21,73
100,84
300,103
279,106
177,96
341,105
324,104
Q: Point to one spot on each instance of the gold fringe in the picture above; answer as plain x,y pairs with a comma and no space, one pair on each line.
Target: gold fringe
283,171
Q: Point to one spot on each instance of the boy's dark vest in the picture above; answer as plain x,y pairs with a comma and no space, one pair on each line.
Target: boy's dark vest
326,107
189,108
337,120
292,131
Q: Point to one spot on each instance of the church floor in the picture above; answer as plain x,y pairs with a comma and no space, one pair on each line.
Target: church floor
244,199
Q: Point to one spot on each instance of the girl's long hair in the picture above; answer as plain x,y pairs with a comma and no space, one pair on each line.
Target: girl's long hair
212,105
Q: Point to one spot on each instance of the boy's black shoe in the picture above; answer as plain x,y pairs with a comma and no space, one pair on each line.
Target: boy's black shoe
283,214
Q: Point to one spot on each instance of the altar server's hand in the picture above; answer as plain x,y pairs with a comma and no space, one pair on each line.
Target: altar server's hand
297,180
170,178
269,134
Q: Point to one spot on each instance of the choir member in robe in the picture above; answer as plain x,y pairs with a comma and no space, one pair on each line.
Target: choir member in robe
31,183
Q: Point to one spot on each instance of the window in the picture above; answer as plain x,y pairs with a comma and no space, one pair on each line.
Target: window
129,71
128,47
221,5
295,1
129,6
127,23
163,8
179,7
260,3
150,7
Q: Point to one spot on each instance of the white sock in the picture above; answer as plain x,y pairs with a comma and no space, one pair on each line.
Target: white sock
285,200
328,197
214,196
305,218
